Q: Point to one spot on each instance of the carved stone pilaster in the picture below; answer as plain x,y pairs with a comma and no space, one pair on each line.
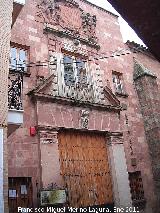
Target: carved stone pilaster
50,156
122,196
47,137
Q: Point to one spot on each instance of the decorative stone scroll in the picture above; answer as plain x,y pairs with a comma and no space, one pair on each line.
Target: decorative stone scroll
89,25
72,48
84,120
47,11
48,137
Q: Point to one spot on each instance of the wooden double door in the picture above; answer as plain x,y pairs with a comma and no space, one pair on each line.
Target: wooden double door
85,169
19,193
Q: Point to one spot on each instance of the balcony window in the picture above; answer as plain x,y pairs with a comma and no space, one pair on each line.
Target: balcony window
77,77
18,59
74,71
81,72
69,75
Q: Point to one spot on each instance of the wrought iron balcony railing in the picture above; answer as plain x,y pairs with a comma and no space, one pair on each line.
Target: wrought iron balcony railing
15,85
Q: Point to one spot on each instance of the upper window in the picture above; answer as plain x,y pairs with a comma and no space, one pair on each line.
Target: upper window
81,71
118,83
18,59
74,71
69,77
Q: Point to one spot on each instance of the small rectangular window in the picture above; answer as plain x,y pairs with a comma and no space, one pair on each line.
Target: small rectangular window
18,59
118,83
137,192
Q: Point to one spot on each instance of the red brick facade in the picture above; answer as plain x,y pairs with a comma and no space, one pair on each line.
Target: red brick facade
48,108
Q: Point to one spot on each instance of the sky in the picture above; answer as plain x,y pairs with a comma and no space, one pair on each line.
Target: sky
127,32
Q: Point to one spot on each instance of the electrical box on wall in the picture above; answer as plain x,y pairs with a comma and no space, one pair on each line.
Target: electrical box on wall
32,131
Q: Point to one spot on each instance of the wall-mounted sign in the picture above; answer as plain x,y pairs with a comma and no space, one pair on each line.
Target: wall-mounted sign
53,197
23,190
12,193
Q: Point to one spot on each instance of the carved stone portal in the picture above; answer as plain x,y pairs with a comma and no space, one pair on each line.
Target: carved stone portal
84,120
47,137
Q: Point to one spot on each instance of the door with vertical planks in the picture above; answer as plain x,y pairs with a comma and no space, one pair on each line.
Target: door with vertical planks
19,193
85,168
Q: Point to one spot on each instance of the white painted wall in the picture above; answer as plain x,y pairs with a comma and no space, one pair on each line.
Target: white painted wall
15,116
1,172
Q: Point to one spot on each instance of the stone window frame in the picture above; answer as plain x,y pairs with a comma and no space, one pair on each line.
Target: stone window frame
91,91
74,66
119,88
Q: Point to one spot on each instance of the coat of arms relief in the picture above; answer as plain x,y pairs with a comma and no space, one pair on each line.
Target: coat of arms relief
66,17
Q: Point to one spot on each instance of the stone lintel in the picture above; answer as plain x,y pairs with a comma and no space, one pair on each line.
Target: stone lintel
56,129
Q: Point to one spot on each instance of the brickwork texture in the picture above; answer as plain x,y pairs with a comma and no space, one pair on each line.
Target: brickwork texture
6,8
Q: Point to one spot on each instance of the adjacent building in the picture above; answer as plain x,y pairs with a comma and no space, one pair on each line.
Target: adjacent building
9,11
76,86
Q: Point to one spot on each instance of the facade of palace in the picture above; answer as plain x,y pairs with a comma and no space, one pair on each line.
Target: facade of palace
87,135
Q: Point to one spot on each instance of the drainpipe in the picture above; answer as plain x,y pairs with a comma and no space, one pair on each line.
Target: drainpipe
1,172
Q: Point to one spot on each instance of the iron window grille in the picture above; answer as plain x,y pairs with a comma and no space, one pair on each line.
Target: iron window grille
137,191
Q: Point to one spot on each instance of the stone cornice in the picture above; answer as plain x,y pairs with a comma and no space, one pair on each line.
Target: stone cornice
67,33
73,102
100,8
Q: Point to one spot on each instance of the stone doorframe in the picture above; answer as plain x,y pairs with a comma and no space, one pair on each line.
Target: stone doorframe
117,160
